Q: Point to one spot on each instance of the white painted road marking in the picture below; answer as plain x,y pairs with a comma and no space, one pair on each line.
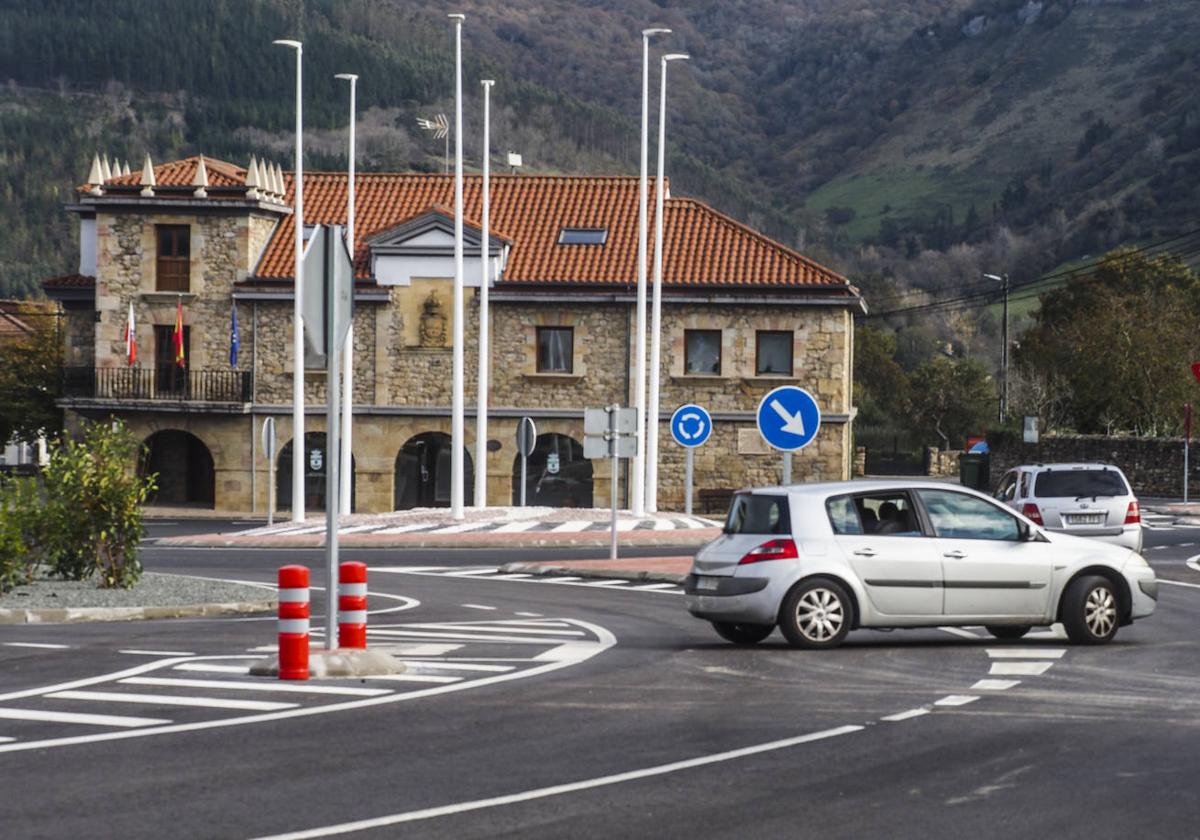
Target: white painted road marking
213,668
1027,669
157,652
508,628
172,700
4,739
652,586
461,528
457,666
517,527
470,572
45,645
1026,653
71,717
571,527
261,685
571,787
422,678
1193,563
956,700
911,713
995,685
478,607
529,614
958,631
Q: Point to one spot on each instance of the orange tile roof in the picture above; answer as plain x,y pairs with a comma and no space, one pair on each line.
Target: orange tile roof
79,281
702,248
179,173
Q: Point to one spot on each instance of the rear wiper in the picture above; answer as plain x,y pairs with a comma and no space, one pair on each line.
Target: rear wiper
1094,496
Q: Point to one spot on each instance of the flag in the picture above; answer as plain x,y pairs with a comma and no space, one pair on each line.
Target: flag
177,337
234,341
130,338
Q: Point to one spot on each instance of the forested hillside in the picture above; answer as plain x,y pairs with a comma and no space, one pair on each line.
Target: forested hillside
912,144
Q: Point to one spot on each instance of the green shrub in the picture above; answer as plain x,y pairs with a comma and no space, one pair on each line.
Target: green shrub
20,521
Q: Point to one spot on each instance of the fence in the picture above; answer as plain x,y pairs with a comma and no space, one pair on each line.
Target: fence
159,383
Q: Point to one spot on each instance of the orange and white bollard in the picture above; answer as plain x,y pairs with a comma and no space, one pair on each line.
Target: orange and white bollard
293,622
352,605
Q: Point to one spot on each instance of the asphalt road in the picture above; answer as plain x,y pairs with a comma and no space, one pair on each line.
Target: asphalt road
538,709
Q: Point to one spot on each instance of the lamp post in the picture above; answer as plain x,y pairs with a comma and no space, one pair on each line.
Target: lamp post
1003,347
347,450
485,254
298,459
637,496
656,307
456,409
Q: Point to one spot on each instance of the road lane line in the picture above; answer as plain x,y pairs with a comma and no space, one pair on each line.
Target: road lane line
511,577
470,572
475,628
911,713
421,678
4,739
995,685
172,700
157,652
261,685
457,666
1026,669
605,583
571,787
560,580
528,614
213,668
478,607
429,634
40,645
72,717
1026,653
1179,583
956,700
653,586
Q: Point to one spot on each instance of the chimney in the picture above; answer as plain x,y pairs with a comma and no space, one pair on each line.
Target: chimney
200,180
252,183
95,178
105,170
148,178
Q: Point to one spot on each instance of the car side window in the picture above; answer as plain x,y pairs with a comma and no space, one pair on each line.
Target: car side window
959,516
1008,487
843,515
1024,485
886,514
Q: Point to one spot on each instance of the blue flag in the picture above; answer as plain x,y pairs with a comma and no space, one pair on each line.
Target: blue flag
234,342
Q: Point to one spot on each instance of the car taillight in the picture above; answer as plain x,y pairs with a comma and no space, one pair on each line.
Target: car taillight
771,550
1034,515
1133,516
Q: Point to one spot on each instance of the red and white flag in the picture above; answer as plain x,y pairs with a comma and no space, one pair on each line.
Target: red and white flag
130,338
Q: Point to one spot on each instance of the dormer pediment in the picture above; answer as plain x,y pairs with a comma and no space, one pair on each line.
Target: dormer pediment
423,246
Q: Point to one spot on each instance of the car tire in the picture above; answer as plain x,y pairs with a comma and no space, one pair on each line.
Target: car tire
1008,631
742,634
816,614
1091,610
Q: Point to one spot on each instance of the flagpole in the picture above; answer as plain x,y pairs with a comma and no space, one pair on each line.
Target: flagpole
485,257
457,442
347,449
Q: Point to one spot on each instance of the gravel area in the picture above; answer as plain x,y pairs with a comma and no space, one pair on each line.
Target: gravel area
153,590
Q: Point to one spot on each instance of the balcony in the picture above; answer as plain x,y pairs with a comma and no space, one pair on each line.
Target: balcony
159,385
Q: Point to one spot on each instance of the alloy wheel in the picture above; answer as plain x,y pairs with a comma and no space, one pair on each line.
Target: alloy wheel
820,614
1100,611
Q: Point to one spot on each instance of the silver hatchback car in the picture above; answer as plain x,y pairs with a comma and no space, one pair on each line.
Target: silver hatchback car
1086,500
819,560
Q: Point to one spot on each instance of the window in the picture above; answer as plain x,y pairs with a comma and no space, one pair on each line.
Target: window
963,517
583,236
751,513
168,375
885,514
843,516
773,356
1078,483
702,352
174,258
555,349
1008,487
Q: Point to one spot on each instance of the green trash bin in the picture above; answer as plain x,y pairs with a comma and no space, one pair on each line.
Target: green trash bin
973,470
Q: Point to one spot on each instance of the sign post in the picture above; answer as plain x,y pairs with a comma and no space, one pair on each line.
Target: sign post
691,426
268,442
788,420
526,441
1187,445
610,432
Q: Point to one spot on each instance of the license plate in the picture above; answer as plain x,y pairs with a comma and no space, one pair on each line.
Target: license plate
707,584
1085,519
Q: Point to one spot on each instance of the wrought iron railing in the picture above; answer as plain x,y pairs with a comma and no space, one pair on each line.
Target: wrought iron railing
161,382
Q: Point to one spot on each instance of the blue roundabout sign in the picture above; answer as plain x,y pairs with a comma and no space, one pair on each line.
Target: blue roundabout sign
691,425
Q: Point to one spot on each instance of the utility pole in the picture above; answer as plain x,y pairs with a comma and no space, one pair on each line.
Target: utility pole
1003,280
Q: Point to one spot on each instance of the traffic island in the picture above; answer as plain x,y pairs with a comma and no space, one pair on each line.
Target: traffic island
641,569
343,662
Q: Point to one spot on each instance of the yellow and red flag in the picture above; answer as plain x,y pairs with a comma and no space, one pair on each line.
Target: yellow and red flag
177,336
130,338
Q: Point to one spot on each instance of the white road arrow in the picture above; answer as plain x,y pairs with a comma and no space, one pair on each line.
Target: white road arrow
792,424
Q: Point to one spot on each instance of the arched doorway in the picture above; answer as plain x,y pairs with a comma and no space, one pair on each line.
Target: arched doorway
184,467
316,468
423,473
557,474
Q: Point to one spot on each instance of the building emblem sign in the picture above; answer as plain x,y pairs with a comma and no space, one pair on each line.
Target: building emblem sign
433,322
316,460
552,464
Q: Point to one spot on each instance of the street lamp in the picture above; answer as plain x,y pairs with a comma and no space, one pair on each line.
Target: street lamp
1003,348
656,309
456,408
637,501
298,459
347,451
481,423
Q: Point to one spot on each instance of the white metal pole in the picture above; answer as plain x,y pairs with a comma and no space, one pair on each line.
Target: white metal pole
485,254
332,436
612,437
687,481
298,459
456,410
652,423
347,450
638,473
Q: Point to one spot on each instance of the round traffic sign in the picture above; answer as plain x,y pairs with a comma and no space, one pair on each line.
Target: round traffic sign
788,418
526,437
691,425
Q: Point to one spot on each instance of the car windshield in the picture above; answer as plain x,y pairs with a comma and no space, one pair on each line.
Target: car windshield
1077,483
758,514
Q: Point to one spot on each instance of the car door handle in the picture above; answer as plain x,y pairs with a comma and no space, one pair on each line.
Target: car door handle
865,552
955,555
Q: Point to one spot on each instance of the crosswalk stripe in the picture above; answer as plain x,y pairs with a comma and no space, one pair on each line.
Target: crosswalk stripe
358,529
425,678
477,628
171,700
262,685
612,582
461,528
995,685
212,667
404,529
73,717
1028,669
911,713
663,525
956,700
663,586
571,526
1026,653
518,576
517,527
561,580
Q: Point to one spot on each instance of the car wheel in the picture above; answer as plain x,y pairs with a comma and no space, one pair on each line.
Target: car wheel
1008,631
816,614
1090,611
742,634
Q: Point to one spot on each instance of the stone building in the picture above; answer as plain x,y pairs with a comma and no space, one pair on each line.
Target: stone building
741,313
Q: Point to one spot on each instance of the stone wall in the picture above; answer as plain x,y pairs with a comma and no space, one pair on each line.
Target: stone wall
79,336
1154,466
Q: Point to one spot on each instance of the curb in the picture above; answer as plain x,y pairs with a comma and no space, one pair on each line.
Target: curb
693,538
607,574
88,614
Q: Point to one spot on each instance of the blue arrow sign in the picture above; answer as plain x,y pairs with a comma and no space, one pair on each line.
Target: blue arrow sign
788,418
690,425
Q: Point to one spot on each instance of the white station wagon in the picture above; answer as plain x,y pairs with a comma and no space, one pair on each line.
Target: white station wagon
819,560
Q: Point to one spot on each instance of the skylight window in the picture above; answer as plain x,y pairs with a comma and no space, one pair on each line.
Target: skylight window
583,236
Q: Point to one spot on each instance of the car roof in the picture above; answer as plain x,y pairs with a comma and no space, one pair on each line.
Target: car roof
1074,465
873,485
